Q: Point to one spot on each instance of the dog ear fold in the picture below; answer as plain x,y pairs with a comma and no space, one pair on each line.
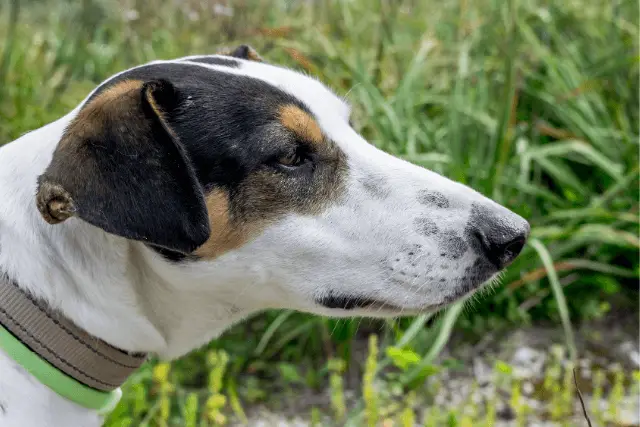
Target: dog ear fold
120,166
243,52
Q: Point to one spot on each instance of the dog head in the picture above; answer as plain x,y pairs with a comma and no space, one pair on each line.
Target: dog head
228,168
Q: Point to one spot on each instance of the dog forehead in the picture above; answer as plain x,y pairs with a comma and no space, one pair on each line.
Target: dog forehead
318,98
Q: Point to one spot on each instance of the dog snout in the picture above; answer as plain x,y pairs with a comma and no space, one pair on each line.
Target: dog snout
500,234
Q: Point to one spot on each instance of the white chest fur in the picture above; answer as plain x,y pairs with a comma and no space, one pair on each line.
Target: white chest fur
25,402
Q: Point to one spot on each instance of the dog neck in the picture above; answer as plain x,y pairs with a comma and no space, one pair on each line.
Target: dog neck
117,290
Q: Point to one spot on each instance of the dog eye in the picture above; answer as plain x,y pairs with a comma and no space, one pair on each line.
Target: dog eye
293,159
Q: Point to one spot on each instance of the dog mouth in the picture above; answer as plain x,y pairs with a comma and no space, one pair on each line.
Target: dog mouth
348,302
351,303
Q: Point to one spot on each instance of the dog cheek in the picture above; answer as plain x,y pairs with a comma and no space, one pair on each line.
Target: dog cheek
239,215
227,232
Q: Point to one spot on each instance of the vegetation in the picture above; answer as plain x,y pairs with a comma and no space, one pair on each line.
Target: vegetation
386,401
534,104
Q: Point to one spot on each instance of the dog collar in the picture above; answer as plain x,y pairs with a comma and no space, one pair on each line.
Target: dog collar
65,358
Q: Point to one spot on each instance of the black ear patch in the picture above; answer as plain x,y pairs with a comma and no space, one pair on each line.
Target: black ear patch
243,52
120,167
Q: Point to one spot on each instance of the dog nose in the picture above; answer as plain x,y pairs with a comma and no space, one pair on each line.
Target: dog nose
502,237
502,250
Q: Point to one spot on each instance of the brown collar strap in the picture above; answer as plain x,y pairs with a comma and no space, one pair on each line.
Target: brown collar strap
57,340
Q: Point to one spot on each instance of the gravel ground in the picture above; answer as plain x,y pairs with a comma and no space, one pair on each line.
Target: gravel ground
530,352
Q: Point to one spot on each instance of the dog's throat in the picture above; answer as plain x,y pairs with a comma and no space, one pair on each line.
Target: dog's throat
64,357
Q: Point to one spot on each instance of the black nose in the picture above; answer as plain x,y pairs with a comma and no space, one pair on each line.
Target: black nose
501,235
501,252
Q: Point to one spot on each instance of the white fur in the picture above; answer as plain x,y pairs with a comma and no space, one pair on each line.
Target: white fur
127,295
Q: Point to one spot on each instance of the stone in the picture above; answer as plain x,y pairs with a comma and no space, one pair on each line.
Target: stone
528,362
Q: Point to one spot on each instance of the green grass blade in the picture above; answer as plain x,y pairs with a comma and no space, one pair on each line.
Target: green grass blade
5,59
271,330
558,293
412,331
502,139
445,328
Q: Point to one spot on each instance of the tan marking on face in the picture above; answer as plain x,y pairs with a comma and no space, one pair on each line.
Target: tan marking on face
265,196
226,234
301,123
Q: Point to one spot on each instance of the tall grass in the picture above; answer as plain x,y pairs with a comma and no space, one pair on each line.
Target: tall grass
533,103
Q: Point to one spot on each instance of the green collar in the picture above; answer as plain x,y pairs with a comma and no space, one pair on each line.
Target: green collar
62,356
101,401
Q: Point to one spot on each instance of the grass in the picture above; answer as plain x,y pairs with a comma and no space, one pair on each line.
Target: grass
532,103
152,398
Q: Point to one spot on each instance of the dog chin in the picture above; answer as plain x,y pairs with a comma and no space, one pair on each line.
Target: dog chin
382,311
346,305
365,307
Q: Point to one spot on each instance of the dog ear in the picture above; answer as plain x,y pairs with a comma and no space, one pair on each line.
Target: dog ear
120,166
243,52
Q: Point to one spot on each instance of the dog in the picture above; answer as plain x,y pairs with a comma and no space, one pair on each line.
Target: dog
182,196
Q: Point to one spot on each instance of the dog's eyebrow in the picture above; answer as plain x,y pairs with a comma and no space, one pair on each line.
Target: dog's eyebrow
301,123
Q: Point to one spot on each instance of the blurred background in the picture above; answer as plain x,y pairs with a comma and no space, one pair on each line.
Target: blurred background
533,103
